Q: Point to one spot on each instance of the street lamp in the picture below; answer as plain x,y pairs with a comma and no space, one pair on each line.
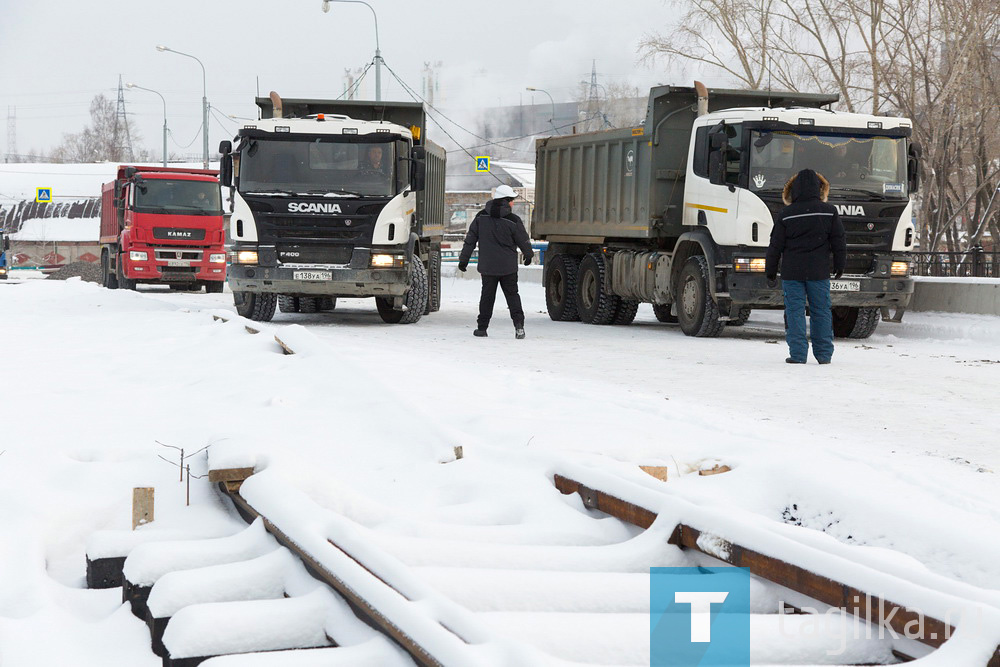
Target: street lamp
552,120
204,102
378,50
150,90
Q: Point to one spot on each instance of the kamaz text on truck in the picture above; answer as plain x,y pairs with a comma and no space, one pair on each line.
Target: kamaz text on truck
678,212
334,198
163,226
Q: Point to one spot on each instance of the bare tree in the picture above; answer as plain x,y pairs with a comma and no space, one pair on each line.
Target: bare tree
99,140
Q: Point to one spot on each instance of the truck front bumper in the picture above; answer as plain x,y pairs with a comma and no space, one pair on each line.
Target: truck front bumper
344,281
162,271
751,289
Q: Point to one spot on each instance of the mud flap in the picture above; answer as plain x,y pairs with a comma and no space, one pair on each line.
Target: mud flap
896,318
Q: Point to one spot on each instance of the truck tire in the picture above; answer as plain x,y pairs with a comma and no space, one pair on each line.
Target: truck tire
415,300
595,303
627,309
308,304
697,312
123,282
853,322
288,304
742,315
327,303
257,306
662,312
214,287
433,282
560,288
109,279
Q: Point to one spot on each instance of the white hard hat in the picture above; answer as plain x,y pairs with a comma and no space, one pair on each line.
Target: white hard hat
505,191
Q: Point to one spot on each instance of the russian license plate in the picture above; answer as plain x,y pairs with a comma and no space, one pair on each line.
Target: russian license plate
312,275
845,285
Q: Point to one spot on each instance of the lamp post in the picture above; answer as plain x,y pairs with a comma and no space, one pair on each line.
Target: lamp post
204,102
378,50
150,90
552,120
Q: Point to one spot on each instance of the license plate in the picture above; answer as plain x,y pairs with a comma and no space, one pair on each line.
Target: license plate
178,262
845,285
312,275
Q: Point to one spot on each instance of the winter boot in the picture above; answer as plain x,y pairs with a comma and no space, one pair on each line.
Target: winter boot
480,333
789,360
519,334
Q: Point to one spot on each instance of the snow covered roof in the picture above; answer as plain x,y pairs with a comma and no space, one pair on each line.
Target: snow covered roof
59,229
522,171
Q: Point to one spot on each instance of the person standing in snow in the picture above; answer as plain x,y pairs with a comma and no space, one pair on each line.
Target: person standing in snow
805,234
499,233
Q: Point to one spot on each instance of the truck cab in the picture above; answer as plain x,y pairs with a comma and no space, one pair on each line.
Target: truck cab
328,205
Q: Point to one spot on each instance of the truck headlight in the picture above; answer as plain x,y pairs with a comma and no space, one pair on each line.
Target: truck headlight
900,268
217,258
138,255
754,264
385,261
245,257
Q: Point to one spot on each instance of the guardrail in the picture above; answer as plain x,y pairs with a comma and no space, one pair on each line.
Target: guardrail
974,263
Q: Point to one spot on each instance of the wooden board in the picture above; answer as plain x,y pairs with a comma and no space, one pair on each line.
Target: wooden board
142,506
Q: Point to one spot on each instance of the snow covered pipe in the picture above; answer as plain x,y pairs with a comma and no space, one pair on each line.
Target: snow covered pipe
702,92
276,103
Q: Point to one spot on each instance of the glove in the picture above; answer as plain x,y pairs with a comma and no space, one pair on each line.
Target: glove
527,260
462,267
840,274
772,281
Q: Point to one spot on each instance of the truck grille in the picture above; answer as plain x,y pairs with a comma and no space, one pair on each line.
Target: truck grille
865,237
163,255
297,254
313,229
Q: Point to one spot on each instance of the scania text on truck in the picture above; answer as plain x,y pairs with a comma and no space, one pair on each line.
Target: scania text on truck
678,212
163,226
335,198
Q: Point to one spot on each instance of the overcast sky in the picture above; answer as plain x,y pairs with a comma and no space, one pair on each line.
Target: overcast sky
55,56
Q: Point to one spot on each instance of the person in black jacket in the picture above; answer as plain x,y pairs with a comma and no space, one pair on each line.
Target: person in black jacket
806,232
499,234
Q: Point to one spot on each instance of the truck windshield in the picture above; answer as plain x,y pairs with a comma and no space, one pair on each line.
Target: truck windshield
159,195
853,164
319,166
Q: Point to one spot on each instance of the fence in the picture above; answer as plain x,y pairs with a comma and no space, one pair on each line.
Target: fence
974,263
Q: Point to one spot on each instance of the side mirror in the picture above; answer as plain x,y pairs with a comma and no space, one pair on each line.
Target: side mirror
118,190
225,147
130,172
418,175
418,153
6,243
913,167
226,168
717,140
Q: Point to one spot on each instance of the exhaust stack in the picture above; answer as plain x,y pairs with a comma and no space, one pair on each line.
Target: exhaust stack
702,91
276,103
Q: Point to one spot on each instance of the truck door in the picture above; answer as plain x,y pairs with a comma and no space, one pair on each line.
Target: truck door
711,197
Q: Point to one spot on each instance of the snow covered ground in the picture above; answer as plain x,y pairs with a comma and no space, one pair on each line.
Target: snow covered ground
891,447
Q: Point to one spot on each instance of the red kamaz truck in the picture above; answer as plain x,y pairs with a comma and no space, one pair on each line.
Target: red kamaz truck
163,226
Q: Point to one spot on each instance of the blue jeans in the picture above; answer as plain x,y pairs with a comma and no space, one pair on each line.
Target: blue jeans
817,292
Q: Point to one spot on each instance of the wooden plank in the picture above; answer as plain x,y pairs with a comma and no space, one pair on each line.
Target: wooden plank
368,612
715,470
142,506
285,348
828,591
229,474
659,472
250,329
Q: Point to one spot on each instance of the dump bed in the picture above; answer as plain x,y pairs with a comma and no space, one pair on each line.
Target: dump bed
629,183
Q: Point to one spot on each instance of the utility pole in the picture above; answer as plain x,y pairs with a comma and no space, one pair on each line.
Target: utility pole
12,134
120,134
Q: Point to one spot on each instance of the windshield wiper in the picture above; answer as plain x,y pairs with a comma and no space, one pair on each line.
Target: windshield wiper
872,196
335,192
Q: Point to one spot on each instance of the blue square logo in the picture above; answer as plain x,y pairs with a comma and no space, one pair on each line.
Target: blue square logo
699,616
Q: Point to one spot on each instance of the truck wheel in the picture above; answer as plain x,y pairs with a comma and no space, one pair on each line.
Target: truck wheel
697,313
123,282
852,322
742,315
288,304
109,279
560,288
257,306
415,300
308,304
327,303
662,312
433,282
595,304
627,309
214,287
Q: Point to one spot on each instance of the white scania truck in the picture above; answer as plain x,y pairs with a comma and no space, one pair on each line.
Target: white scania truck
678,212
335,198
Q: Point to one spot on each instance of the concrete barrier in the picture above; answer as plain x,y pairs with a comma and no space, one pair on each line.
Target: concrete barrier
977,296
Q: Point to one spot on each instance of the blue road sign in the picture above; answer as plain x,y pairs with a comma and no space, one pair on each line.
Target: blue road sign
43,195
482,163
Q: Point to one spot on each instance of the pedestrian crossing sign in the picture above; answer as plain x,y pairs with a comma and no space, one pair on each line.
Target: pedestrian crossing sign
43,195
482,163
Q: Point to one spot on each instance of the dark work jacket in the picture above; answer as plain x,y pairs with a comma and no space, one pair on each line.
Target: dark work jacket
499,234
806,232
